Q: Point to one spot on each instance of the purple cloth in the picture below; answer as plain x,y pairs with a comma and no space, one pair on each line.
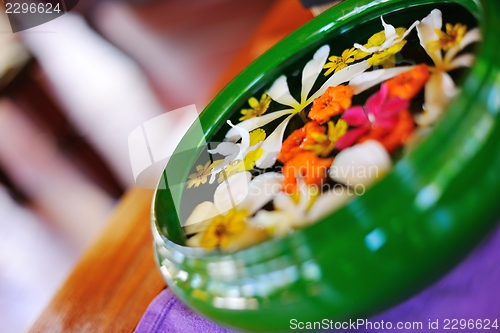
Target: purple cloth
470,291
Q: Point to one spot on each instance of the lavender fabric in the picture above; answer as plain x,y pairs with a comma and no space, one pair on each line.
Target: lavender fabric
470,291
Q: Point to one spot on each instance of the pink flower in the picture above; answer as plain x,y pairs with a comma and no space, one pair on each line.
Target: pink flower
379,111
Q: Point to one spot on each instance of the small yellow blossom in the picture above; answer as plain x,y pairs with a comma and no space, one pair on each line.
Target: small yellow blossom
224,228
257,108
200,176
326,142
452,37
336,63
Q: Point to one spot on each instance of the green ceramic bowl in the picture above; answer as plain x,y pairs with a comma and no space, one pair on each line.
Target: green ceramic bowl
426,215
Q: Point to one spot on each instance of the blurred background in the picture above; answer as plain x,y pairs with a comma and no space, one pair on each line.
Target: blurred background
72,90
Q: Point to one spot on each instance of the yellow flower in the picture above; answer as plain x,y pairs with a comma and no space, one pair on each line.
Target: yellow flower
385,57
338,63
326,142
224,228
257,108
200,176
256,137
452,37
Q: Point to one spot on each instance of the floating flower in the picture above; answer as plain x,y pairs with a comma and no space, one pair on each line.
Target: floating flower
200,176
257,108
333,102
393,137
247,152
297,141
325,143
246,164
408,84
384,45
303,208
280,93
222,223
440,88
379,111
451,38
307,166
337,63
362,164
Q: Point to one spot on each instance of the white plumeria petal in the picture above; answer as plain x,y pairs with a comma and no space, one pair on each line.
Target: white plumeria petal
465,60
256,122
272,145
312,70
439,90
427,34
389,30
344,75
283,202
263,189
367,80
244,135
362,164
472,36
226,149
277,222
229,149
280,93
328,202
203,212
391,38
232,191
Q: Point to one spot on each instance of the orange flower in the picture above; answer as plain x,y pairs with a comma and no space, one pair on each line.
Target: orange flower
308,166
296,142
408,84
394,137
334,101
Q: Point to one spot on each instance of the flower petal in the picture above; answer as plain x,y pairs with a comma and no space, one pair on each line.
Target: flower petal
355,116
351,137
272,145
375,103
465,60
232,191
263,189
393,106
277,222
427,34
280,93
361,164
253,123
204,211
367,80
472,36
312,70
439,91
344,75
327,203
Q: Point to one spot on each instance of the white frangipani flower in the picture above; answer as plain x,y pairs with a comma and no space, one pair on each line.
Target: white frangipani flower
237,192
233,151
290,214
440,88
280,93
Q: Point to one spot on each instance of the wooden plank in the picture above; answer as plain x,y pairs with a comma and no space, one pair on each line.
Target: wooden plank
115,280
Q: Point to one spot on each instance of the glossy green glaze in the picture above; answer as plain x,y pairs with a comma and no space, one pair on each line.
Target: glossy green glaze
403,234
